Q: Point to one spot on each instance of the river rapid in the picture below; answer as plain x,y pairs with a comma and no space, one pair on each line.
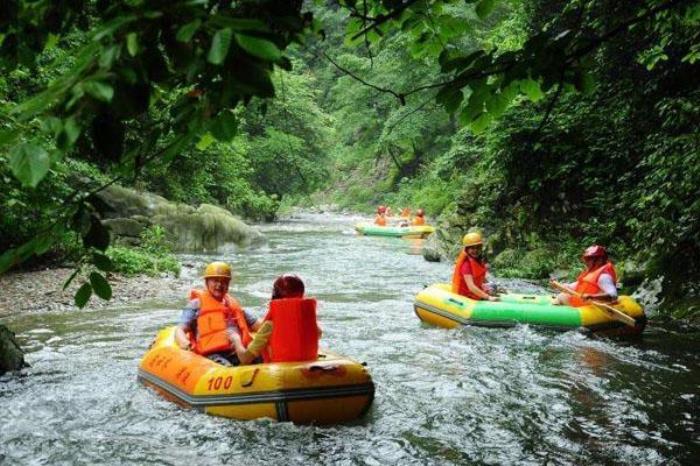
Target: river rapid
463,396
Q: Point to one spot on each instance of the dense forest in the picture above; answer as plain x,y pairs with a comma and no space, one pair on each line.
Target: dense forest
548,125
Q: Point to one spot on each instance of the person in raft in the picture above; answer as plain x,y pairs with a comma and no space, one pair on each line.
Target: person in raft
419,219
295,331
598,281
380,218
214,325
469,276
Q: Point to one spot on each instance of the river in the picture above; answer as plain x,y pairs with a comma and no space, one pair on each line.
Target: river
464,396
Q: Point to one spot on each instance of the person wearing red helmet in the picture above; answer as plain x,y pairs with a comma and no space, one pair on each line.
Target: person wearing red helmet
598,281
295,331
419,219
380,219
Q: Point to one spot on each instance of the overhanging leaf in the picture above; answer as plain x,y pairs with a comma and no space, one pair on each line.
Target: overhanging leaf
29,163
258,47
219,46
132,43
224,126
99,90
187,32
102,262
97,236
82,296
101,286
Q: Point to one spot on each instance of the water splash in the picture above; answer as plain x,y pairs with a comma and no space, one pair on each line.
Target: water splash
649,295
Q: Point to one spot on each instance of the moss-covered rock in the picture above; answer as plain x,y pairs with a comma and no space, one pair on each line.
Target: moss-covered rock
203,229
11,355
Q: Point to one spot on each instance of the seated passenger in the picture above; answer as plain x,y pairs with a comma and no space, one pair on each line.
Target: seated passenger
405,213
419,219
295,331
380,219
214,325
598,280
469,276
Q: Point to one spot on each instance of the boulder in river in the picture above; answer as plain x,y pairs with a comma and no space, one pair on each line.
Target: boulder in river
11,355
206,228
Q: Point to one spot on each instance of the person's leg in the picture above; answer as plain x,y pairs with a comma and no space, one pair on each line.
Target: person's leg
220,358
562,298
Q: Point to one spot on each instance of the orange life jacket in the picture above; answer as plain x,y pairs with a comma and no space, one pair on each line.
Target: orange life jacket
459,286
212,323
587,282
380,220
418,221
294,330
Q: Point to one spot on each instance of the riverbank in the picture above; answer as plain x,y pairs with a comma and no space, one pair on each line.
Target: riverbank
42,290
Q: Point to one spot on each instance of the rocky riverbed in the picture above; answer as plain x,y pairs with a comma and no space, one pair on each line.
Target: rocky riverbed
42,290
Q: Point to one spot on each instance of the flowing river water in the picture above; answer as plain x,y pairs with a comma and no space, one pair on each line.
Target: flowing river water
463,396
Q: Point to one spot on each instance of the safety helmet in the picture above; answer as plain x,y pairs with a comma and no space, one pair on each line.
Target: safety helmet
595,251
217,269
287,286
420,212
381,209
472,239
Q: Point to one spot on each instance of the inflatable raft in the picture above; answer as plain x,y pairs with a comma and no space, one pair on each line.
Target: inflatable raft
437,305
371,229
330,390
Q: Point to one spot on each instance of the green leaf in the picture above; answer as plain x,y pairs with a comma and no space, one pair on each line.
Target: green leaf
485,7
258,47
8,136
108,56
206,141
481,123
102,262
7,260
71,132
219,46
71,278
82,296
97,236
532,89
30,164
187,32
450,97
132,43
101,286
224,126
99,90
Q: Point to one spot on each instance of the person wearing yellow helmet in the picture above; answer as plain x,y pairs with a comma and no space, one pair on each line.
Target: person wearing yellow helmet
469,276
214,325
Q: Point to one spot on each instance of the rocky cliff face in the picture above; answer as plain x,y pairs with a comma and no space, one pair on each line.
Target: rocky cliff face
202,229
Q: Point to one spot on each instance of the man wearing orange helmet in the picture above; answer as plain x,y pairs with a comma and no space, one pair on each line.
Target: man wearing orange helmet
469,276
419,219
380,219
597,281
214,325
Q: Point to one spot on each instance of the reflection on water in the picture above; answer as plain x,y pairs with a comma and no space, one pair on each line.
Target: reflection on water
463,396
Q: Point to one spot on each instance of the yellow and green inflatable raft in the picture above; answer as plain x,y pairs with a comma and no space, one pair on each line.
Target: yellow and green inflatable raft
370,229
330,390
437,305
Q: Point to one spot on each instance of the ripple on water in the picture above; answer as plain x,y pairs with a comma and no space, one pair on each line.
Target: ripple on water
462,396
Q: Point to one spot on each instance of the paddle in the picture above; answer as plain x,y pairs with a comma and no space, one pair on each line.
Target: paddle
608,309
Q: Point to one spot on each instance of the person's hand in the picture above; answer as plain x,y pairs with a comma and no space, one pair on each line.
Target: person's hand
585,296
186,345
493,298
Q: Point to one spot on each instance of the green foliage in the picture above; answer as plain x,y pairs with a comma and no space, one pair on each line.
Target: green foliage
152,257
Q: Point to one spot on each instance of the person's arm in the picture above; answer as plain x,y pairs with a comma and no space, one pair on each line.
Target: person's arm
607,285
469,280
187,319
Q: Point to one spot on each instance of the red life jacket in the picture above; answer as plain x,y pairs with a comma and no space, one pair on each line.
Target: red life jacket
459,286
587,282
294,330
212,323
